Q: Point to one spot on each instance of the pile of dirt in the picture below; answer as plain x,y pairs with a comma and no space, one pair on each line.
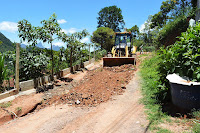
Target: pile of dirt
97,86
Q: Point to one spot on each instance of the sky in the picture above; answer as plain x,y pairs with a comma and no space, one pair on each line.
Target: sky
72,15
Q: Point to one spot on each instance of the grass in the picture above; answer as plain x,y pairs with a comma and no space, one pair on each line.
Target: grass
196,127
152,93
151,90
18,109
150,82
6,105
196,121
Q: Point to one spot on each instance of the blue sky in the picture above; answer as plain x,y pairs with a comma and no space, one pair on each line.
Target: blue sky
73,15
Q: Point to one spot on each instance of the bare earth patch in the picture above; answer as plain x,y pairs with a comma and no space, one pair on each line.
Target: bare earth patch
20,106
98,86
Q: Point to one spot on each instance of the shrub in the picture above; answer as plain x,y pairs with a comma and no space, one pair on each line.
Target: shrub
100,54
32,65
149,48
183,57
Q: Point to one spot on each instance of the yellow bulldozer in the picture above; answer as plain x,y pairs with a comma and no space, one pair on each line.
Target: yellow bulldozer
122,51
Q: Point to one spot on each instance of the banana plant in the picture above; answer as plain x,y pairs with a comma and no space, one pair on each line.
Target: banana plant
3,70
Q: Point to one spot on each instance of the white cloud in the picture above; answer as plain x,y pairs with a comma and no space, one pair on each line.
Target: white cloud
85,40
60,44
71,30
8,26
62,21
26,43
142,27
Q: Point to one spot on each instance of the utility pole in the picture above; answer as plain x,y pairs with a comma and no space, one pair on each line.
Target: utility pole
17,68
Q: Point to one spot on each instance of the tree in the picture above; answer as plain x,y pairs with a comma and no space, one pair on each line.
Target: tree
73,43
47,33
111,17
105,37
134,30
170,10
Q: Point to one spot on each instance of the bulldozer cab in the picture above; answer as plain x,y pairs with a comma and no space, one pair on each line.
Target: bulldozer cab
121,51
123,39
122,44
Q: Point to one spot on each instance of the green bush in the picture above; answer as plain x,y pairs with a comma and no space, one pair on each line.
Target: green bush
149,48
100,54
183,57
32,66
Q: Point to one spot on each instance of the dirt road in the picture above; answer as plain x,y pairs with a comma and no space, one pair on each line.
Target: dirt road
123,114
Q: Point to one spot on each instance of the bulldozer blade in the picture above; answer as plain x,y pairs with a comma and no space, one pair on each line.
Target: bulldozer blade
117,61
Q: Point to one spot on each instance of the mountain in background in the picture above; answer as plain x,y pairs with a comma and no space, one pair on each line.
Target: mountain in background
56,48
6,44
22,45
40,45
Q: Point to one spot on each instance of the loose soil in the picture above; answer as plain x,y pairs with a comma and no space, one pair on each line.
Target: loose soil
97,86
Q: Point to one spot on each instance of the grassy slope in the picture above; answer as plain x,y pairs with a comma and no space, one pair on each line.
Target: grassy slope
6,45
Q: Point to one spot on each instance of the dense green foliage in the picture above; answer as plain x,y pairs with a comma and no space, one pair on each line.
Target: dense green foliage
167,35
111,17
5,44
32,65
100,54
184,56
49,31
170,10
74,44
105,37
134,30
3,71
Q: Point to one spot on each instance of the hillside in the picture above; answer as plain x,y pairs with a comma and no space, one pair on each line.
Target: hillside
6,45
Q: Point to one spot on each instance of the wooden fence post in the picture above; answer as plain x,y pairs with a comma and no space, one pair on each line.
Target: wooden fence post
17,68
89,54
94,51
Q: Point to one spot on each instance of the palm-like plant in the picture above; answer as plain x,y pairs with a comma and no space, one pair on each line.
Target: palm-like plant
3,69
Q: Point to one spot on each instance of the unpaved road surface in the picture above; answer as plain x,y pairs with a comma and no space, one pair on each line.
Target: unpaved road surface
122,114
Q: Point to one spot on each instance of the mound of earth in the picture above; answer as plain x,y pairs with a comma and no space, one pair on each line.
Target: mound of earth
97,86
21,106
